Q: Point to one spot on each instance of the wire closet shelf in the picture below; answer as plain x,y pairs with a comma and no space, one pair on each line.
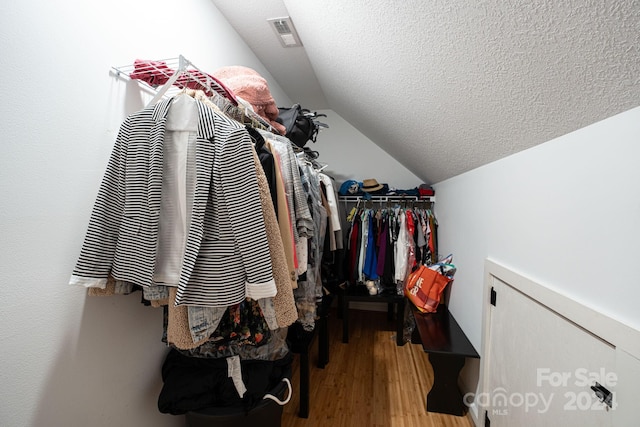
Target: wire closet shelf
168,77
400,198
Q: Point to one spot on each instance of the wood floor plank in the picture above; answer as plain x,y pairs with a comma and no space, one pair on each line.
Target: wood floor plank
369,382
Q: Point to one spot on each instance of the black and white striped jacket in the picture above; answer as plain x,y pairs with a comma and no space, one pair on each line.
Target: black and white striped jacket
226,257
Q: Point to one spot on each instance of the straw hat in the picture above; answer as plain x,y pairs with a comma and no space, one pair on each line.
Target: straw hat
371,185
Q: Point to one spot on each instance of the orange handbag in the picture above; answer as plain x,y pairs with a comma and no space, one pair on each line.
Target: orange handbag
424,288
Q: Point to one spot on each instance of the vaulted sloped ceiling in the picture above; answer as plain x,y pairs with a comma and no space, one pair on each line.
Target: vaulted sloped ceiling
445,86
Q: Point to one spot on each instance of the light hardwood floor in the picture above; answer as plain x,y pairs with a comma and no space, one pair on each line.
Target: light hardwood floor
368,382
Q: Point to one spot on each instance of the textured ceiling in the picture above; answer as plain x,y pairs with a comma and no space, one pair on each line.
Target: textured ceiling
445,86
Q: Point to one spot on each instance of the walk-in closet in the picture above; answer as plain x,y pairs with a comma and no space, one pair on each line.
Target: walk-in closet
308,214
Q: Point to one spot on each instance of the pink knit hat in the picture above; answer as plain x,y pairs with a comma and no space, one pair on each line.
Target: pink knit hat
252,87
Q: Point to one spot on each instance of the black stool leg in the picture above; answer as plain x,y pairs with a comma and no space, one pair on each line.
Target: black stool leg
304,384
400,323
345,320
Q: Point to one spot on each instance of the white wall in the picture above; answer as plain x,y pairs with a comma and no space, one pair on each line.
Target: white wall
351,155
70,360
565,213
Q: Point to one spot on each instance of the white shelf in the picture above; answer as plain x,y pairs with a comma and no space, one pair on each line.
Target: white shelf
388,198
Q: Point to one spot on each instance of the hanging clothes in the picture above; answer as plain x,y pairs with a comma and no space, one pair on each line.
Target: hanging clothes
298,209
284,303
411,247
203,160
364,240
267,163
369,269
334,212
387,244
226,254
353,249
308,221
401,248
309,291
189,212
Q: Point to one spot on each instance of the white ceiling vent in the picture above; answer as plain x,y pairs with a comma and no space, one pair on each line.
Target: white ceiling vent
285,31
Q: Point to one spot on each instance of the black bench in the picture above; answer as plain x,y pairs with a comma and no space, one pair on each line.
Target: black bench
447,345
360,293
